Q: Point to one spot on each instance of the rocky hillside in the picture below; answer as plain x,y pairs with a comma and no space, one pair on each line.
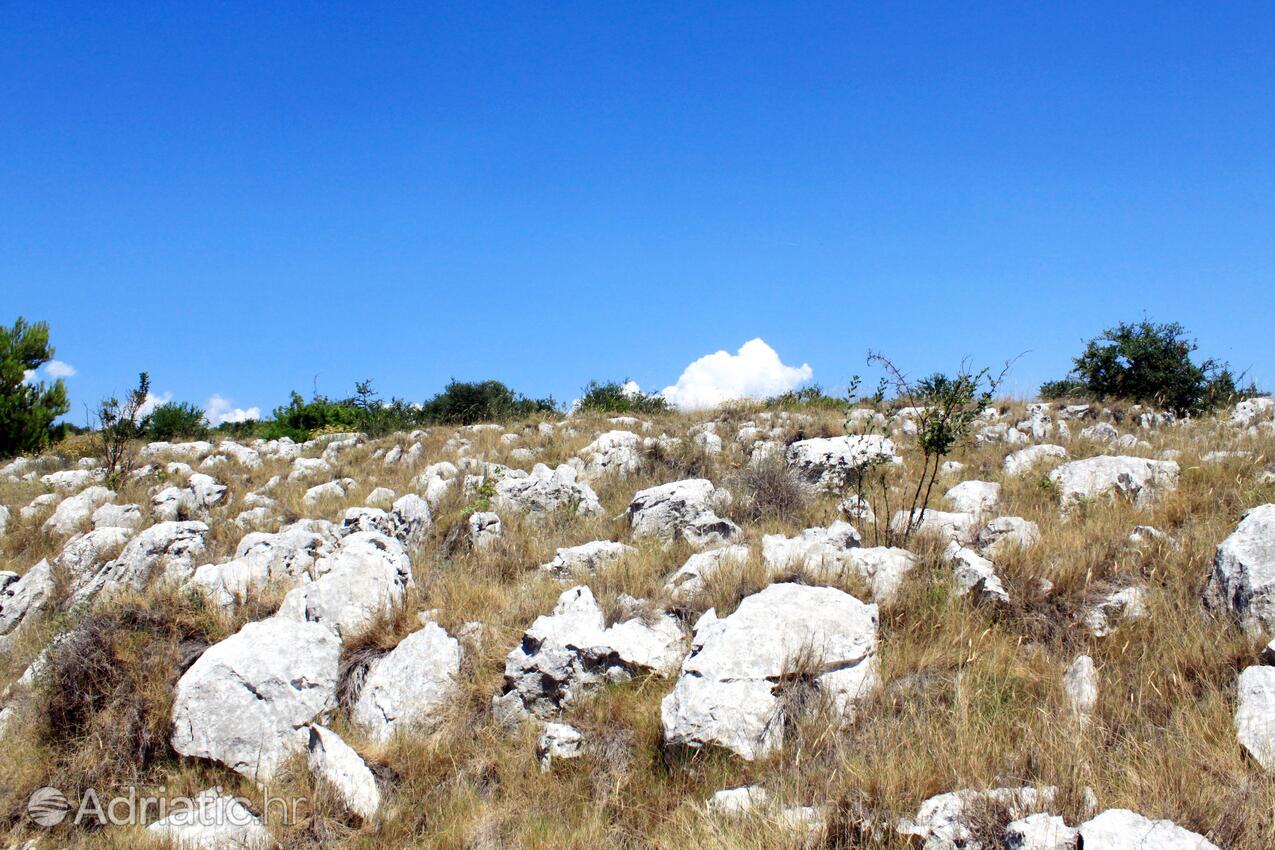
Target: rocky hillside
692,631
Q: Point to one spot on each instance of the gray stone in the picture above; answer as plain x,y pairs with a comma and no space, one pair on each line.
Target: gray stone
247,701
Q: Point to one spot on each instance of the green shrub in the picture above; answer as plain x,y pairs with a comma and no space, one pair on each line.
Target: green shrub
27,410
614,397
1151,364
176,421
812,396
464,403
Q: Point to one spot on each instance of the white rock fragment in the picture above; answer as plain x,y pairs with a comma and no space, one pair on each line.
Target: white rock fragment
343,770
1121,829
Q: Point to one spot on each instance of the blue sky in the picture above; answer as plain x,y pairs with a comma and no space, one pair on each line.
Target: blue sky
244,199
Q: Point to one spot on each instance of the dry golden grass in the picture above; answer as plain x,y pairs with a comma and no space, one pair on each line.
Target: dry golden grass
971,694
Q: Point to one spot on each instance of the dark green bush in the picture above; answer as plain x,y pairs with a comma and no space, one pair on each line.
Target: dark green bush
27,410
464,403
176,421
611,397
1151,364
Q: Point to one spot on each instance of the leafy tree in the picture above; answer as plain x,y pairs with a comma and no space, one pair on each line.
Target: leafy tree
464,403
1148,363
27,409
176,420
616,397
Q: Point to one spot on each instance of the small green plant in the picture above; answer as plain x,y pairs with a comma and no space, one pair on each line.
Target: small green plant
619,397
944,409
807,398
27,407
118,428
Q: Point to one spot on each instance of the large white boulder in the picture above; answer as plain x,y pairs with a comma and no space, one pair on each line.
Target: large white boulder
364,579
1006,532
408,686
287,556
246,702
1121,829
74,511
953,526
975,574
571,651
1243,578
194,499
545,492
587,558
833,463
25,597
1253,410
682,510
1255,714
698,571
833,554
1135,478
615,452
726,694
117,516
166,550
974,497
1040,832
1021,461
85,553
407,520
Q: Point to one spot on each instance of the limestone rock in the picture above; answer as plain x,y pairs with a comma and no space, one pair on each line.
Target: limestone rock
408,686
682,510
831,464
343,770
726,696
1121,829
1243,578
246,702
571,651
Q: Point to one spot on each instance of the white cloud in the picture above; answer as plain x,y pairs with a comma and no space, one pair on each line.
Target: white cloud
58,369
28,375
153,401
754,372
220,410
630,389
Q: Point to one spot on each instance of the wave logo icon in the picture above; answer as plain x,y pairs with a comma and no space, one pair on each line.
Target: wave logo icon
48,807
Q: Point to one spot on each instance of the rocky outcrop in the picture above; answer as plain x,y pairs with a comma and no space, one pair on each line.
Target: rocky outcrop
340,768
363,580
1137,479
247,701
728,692
831,464
1255,714
410,685
682,510
544,493
1121,829
586,559
571,651
1243,578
